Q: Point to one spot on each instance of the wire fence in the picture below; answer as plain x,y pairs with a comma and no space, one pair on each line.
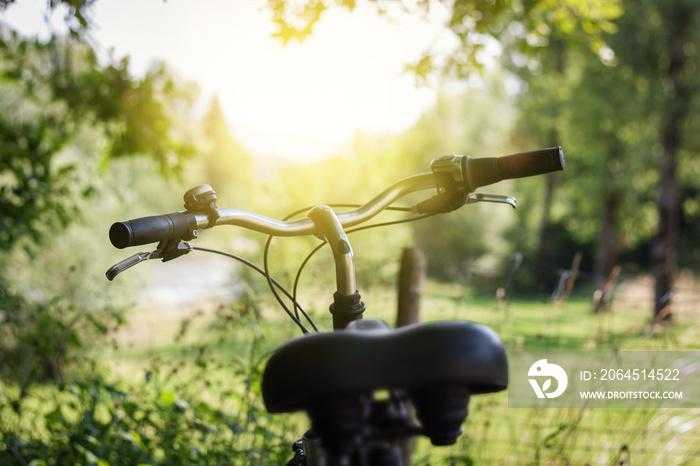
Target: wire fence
625,290
498,435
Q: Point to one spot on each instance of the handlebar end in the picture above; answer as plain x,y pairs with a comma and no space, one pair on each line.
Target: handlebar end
556,155
152,229
562,161
120,235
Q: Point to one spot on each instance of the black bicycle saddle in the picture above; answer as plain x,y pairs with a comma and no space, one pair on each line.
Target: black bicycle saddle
368,356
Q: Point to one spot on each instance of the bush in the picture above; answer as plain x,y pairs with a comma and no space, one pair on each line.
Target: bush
185,411
39,339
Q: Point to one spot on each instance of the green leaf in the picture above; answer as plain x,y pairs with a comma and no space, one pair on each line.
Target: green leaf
167,397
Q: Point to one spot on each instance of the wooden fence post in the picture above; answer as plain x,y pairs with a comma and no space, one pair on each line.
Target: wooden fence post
566,281
411,282
572,275
601,298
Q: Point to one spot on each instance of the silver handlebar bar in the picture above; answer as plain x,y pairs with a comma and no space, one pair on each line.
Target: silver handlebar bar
306,226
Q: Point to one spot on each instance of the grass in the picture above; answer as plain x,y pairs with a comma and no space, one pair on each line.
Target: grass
495,434
207,362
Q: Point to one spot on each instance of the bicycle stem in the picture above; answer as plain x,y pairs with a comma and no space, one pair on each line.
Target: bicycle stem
347,303
328,228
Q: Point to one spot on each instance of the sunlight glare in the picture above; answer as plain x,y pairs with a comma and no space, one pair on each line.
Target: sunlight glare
303,100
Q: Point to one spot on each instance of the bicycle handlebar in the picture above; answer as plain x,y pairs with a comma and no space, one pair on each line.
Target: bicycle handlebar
469,173
162,227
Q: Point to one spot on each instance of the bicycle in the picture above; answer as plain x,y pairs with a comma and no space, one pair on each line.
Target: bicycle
334,376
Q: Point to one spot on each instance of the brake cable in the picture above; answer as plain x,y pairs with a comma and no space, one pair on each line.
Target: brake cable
354,230
297,307
271,280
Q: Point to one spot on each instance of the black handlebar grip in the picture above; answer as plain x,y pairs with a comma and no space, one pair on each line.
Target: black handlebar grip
488,170
536,162
149,229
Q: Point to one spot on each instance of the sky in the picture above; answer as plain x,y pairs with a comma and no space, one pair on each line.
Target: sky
301,101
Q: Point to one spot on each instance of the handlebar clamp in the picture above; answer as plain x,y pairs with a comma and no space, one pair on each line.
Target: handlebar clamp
449,181
448,172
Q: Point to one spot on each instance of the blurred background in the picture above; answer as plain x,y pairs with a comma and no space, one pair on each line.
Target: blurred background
113,109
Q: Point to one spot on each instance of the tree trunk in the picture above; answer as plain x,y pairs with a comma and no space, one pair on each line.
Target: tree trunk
677,93
542,258
664,249
607,250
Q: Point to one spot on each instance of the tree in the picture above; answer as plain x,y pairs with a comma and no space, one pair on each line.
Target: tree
541,108
535,37
475,123
677,23
524,27
625,119
227,164
49,90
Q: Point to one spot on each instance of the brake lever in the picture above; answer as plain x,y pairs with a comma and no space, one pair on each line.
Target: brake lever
167,251
495,198
128,263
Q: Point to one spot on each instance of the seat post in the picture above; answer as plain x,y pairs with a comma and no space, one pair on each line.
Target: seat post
347,305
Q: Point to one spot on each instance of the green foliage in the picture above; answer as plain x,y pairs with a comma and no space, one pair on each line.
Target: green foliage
450,253
77,14
203,405
612,154
50,91
199,402
609,116
51,310
54,306
92,421
525,28
143,119
296,21
226,164
476,123
55,96
33,193
33,128
39,339
195,410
